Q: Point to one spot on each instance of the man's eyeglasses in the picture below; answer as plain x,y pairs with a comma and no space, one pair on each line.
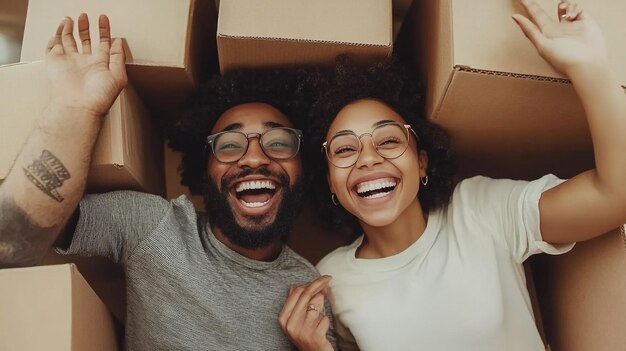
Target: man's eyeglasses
280,143
390,140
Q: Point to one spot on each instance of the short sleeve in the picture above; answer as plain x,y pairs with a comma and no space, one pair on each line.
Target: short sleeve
509,210
114,224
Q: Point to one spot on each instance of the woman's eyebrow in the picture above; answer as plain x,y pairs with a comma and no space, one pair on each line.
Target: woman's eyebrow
382,122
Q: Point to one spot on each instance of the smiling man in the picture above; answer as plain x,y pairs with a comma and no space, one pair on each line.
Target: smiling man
194,282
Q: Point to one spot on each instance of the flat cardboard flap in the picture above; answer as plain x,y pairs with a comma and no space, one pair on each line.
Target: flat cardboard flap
52,308
584,295
489,39
364,22
155,30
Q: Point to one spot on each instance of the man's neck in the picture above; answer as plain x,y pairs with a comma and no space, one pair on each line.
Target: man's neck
267,254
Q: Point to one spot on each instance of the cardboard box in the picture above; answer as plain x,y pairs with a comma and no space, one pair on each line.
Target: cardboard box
11,29
52,308
171,44
583,295
252,33
173,186
128,154
509,113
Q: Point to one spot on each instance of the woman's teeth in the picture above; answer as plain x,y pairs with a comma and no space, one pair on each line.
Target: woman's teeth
370,190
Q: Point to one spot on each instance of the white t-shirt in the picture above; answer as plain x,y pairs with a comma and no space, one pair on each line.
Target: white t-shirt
460,286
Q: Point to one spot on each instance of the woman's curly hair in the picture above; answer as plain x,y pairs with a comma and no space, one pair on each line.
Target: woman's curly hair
290,90
392,83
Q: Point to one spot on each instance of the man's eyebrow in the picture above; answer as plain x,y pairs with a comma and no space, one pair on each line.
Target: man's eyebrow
272,125
233,126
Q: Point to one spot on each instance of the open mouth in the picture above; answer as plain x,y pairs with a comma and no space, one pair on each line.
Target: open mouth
375,189
255,193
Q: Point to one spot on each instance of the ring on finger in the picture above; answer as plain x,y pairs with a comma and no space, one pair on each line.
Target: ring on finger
311,307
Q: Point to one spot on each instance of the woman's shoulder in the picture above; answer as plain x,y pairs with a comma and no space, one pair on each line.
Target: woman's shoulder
337,258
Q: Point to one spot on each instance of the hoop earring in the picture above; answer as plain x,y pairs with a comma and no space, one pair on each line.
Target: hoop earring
334,199
424,180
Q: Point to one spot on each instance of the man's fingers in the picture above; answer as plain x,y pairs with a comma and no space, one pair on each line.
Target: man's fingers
531,31
105,34
67,36
54,44
83,33
117,61
536,13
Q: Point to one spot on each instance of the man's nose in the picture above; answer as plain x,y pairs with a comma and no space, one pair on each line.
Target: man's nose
255,157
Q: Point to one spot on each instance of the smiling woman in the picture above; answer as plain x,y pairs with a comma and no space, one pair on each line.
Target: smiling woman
439,266
386,88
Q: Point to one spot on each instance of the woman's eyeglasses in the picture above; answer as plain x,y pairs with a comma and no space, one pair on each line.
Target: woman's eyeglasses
390,140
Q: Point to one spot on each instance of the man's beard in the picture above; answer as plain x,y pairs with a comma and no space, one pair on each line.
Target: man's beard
259,235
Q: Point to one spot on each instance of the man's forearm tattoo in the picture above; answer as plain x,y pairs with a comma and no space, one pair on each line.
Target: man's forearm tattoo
48,174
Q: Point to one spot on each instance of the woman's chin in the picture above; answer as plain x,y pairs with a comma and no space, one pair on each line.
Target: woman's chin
376,220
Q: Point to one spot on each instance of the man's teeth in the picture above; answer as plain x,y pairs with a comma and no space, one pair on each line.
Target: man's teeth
254,204
371,186
255,184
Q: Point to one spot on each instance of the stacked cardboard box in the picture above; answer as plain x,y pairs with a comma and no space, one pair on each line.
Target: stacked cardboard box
583,295
253,33
128,153
509,112
170,44
52,308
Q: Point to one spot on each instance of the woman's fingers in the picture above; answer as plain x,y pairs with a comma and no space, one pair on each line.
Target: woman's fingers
569,11
315,310
530,30
537,14
290,303
304,308
310,290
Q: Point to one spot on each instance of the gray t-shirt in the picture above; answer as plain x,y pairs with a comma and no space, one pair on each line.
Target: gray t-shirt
185,289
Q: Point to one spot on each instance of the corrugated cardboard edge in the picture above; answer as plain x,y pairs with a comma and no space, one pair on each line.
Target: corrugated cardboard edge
92,329
459,68
312,41
146,164
202,20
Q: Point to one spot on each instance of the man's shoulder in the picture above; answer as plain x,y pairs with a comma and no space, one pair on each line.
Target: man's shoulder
295,262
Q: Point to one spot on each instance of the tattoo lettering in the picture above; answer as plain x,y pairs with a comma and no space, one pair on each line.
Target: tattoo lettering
48,174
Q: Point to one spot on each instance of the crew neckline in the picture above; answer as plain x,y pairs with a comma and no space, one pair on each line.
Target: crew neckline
236,257
420,246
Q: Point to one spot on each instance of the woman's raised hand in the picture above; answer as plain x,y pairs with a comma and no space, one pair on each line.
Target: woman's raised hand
568,41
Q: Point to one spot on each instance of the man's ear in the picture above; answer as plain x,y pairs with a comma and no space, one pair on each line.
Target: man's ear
423,159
